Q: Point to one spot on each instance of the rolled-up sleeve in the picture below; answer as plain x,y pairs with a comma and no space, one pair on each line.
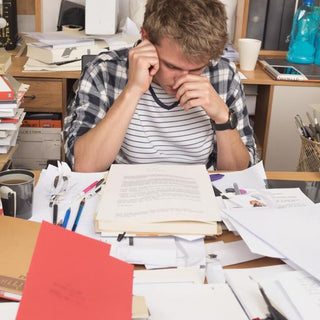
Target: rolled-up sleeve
94,96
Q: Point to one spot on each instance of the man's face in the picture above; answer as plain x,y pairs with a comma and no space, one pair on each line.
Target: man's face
173,65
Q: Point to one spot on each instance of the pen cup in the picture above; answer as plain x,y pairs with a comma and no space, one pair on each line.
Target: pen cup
16,192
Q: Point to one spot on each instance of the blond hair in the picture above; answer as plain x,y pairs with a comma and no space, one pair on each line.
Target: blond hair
198,26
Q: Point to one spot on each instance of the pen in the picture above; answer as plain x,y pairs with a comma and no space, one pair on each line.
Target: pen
66,218
97,188
87,189
75,224
55,213
236,189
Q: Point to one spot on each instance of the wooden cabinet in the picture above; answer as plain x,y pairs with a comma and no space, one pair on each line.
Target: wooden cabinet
44,95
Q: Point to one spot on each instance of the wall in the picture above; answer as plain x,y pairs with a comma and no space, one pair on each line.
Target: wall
50,12
283,141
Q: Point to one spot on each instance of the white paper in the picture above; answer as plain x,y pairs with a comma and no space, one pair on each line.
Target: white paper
155,193
173,275
251,178
304,293
160,251
244,283
231,252
78,182
190,301
8,310
294,232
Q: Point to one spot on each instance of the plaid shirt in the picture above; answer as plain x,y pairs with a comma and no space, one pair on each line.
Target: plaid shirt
103,80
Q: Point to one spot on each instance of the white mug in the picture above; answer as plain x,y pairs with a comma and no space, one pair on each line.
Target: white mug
249,50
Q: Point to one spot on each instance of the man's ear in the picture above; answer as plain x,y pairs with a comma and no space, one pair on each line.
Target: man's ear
144,34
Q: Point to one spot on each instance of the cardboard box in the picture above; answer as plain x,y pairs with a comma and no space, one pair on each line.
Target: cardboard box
251,92
30,164
36,146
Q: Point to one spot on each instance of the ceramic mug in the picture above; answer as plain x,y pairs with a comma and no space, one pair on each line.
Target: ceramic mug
16,192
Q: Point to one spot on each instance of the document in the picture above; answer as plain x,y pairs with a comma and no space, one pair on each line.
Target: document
188,301
230,253
245,284
293,232
303,292
167,199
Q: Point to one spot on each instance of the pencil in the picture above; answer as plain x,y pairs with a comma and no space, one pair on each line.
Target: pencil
76,221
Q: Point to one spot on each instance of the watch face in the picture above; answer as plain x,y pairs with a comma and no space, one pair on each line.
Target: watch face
230,124
233,120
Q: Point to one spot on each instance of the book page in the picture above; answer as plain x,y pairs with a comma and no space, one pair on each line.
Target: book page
155,193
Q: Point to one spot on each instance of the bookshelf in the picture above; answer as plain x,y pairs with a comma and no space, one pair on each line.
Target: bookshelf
32,8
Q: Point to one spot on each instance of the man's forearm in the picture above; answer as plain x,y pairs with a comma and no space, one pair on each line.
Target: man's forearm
232,154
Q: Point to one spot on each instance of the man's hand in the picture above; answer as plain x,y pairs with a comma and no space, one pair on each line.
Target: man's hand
143,65
195,90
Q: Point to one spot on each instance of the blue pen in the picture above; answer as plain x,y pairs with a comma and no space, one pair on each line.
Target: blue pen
66,218
76,221
216,176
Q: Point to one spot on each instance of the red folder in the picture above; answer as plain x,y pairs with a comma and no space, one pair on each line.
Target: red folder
73,277
6,92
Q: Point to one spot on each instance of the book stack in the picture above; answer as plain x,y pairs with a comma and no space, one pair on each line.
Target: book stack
59,51
11,115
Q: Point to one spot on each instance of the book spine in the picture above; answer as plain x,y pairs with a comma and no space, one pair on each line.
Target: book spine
256,19
273,24
286,24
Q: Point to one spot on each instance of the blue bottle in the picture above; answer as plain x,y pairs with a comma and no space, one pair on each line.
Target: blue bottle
303,34
317,41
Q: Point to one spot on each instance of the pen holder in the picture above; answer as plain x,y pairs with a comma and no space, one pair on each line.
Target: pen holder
309,155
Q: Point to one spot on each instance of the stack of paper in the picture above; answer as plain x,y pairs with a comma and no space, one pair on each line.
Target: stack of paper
11,116
59,51
161,199
291,234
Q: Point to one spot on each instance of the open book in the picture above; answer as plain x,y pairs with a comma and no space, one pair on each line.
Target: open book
161,199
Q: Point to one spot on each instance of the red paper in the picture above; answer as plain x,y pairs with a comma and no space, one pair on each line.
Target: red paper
73,277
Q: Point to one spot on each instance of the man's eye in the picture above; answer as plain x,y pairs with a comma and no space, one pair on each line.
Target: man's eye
171,66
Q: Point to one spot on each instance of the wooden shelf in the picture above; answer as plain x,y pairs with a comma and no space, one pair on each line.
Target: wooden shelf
30,7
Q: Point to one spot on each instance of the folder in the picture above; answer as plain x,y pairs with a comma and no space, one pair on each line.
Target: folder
17,240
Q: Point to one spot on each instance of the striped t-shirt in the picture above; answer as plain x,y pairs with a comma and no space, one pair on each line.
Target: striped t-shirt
159,133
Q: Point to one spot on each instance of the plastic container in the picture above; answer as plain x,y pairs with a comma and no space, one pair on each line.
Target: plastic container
303,34
317,41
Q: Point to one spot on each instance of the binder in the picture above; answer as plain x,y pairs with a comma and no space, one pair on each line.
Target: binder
286,24
256,19
273,24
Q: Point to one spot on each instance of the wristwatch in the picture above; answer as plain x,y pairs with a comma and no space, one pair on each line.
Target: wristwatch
230,124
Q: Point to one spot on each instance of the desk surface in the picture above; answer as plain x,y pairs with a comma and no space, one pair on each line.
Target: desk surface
258,76
228,236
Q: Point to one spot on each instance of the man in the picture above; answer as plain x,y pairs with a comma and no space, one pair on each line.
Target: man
169,99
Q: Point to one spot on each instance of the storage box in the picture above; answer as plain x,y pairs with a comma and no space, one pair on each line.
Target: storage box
251,92
36,146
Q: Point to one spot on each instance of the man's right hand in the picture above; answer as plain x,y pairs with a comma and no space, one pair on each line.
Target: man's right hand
143,65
